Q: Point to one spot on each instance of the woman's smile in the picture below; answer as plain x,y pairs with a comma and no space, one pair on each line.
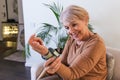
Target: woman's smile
75,35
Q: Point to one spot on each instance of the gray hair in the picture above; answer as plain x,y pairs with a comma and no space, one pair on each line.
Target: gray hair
74,12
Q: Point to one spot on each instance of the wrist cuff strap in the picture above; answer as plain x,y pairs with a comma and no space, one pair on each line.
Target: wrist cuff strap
50,54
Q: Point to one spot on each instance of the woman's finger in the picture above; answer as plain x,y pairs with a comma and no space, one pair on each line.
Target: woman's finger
53,68
35,39
31,39
35,44
58,63
54,63
49,61
38,39
50,71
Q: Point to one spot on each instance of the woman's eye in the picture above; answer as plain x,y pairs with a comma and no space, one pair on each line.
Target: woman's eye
66,27
73,25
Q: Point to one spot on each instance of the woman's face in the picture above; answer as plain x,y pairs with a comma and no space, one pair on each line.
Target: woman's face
77,29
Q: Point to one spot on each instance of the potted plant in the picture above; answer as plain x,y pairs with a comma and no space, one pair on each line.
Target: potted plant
58,35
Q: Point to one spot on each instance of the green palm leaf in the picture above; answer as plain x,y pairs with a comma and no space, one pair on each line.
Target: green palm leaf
56,9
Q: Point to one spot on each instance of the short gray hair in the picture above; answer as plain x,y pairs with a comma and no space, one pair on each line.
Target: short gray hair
74,12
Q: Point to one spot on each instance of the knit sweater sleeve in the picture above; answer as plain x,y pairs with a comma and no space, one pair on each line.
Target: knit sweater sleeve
66,51
84,62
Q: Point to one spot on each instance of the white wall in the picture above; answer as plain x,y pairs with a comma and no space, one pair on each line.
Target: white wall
104,17
3,16
11,13
20,25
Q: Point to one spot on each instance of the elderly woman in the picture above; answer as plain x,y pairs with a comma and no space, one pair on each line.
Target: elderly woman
84,55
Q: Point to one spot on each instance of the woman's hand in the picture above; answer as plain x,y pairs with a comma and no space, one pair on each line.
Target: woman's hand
52,65
37,44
